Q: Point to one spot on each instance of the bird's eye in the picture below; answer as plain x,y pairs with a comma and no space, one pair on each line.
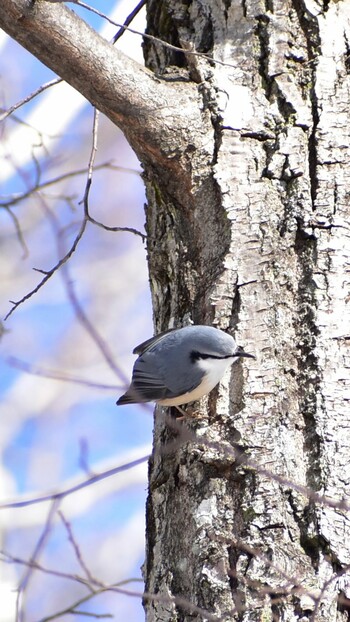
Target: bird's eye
197,356
194,356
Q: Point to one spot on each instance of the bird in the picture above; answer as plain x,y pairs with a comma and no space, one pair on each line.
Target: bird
181,365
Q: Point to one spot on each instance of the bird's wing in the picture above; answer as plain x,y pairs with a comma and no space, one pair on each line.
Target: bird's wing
148,385
145,388
159,382
151,383
146,345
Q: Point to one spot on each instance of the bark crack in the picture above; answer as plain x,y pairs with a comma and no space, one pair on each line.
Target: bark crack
309,372
263,36
309,25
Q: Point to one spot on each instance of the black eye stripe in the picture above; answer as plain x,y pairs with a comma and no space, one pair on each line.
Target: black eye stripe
196,356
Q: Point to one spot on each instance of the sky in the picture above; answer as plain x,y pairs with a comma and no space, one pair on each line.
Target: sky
82,324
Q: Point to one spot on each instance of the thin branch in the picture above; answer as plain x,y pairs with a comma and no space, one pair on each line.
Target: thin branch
162,598
80,313
87,218
143,236
76,548
36,553
179,601
37,169
325,586
18,231
295,588
128,20
83,457
53,496
11,559
88,614
124,27
293,584
49,273
57,375
14,199
72,608
27,99
309,494
63,575
185,435
237,454
91,160
165,44
89,327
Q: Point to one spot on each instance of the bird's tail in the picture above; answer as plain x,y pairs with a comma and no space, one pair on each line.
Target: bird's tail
132,396
127,398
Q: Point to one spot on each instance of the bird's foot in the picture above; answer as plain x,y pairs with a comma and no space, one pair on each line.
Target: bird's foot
189,413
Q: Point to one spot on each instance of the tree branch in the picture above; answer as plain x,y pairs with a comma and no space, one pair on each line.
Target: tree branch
156,116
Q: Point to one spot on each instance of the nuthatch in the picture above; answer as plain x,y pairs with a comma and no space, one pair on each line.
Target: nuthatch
181,365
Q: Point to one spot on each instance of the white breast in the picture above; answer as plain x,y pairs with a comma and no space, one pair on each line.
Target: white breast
214,370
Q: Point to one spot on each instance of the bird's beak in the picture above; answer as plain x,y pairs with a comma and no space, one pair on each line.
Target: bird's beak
240,353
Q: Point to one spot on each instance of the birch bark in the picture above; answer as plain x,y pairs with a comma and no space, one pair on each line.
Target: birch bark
261,245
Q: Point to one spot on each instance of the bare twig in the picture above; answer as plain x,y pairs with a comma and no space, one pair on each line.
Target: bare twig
76,549
184,603
86,218
292,585
72,609
309,494
325,586
18,230
48,274
17,198
91,159
128,20
83,458
97,477
93,591
90,328
36,553
125,27
143,236
88,614
12,559
148,36
28,98
236,455
80,313
57,375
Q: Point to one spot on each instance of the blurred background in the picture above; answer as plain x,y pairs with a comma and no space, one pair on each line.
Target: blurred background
66,351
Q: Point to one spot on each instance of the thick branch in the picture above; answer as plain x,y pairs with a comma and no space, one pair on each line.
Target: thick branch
155,115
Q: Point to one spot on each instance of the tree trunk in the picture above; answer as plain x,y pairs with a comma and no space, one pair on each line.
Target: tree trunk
246,170
257,242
